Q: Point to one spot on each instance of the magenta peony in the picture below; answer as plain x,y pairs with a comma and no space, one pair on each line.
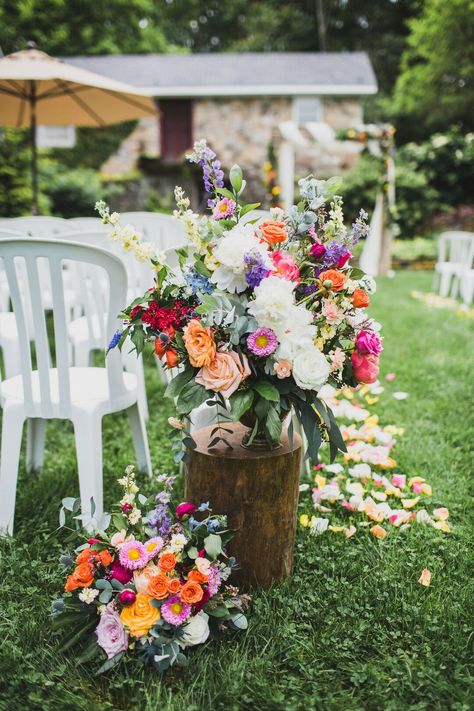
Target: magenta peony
317,250
185,509
120,573
365,367
369,342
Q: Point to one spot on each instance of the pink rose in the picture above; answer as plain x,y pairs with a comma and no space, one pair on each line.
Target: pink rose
331,312
185,509
224,374
284,266
117,571
345,256
317,250
282,368
365,367
369,342
111,634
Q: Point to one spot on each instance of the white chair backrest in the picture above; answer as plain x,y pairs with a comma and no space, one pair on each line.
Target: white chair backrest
456,247
37,226
55,388
258,215
85,223
163,230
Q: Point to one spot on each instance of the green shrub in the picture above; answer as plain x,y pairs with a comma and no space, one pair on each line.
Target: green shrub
71,193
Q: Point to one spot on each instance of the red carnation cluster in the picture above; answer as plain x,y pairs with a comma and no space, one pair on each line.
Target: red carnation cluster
161,319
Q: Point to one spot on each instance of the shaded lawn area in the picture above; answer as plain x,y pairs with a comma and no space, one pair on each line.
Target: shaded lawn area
352,629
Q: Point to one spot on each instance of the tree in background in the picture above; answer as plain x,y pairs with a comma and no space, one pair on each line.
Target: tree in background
436,86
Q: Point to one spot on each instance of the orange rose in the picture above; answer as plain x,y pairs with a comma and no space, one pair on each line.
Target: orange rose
198,577
84,556
337,278
360,299
167,562
174,585
140,617
71,584
224,374
199,343
191,592
273,232
83,576
158,586
104,558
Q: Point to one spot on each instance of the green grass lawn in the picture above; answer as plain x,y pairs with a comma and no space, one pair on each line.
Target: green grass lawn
352,629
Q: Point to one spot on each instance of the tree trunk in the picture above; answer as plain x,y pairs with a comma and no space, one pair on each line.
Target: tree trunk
258,491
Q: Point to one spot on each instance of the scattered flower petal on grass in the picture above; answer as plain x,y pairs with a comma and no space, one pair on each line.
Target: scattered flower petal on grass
400,395
425,577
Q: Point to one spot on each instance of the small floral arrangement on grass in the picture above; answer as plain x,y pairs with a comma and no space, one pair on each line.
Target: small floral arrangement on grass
148,586
260,314
367,492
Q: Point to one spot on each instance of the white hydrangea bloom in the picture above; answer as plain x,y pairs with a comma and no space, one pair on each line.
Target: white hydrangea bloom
230,252
273,301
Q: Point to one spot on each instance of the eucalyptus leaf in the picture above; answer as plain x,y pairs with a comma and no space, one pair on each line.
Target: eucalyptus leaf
267,390
213,545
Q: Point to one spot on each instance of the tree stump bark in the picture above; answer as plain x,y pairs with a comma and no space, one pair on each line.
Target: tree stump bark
258,491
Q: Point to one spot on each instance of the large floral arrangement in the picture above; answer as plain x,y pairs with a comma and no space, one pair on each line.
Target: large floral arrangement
148,586
260,314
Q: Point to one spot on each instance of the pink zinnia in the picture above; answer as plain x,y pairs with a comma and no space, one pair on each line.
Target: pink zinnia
133,555
224,208
263,342
175,611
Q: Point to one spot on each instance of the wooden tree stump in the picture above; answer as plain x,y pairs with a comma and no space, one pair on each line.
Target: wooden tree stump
259,493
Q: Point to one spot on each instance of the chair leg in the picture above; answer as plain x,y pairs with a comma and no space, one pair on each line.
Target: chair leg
11,358
445,280
134,365
88,436
12,430
140,439
35,440
455,287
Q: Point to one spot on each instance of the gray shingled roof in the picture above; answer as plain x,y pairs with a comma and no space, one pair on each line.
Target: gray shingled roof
276,72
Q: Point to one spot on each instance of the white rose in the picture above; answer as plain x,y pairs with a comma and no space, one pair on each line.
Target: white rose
310,369
272,303
196,631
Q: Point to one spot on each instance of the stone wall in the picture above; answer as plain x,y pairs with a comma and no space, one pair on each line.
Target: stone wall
240,129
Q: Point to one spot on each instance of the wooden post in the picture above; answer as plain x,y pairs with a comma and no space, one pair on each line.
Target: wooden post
259,493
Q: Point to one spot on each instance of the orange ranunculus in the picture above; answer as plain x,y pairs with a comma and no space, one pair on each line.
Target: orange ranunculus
272,232
360,299
139,617
199,343
82,577
174,585
198,577
167,562
337,278
171,358
160,347
84,556
158,586
191,592
103,557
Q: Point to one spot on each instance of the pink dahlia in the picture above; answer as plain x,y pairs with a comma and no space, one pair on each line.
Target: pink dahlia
133,555
263,342
174,611
224,208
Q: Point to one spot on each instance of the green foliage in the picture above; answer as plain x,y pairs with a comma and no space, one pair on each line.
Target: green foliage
436,83
15,180
93,146
71,193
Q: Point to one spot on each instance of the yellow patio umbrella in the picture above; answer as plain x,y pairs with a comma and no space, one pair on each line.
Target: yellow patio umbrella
38,89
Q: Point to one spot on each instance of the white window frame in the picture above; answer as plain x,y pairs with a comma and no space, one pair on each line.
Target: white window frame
56,136
313,106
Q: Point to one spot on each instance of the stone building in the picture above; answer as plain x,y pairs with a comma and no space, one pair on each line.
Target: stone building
240,103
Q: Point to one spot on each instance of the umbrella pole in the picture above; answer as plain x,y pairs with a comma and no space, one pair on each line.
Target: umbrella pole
34,151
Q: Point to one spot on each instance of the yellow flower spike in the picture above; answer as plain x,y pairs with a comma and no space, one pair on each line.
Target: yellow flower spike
426,490
416,480
371,400
410,503
442,526
304,520
320,480
378,531
425,577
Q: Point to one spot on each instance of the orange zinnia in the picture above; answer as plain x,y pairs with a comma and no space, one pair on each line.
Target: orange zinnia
191,593
337,278
167,562
158,586
198,577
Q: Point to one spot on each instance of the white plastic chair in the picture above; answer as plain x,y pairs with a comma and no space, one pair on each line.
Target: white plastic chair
455,254
82,395
163,230
85,223
467,286
84,333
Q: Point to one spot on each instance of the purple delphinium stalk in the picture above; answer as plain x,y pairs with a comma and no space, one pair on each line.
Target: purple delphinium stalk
160,519
114,341
263,342
212,173
360,228
256,270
